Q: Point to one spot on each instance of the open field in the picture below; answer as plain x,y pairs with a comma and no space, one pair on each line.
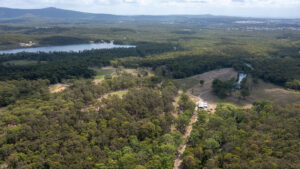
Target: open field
260,91
101,72
204,93
273,93
119,93
141,71
58,88
109,70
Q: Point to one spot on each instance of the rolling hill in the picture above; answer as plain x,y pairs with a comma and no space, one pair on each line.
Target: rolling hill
55,15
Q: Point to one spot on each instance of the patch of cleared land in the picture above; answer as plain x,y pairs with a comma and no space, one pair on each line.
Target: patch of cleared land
22,62
102,72
131,71
260,91
96,107
139,71
109,70
119,93
273,93
58,88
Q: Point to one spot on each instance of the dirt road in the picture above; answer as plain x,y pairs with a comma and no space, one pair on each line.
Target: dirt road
178,160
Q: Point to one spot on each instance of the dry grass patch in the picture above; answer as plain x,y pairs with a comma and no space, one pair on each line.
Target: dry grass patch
141,71
102,72
119,93
273,93
132,71
203,92
58,88
260,91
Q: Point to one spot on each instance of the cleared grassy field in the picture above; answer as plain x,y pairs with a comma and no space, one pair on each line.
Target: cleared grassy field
109,70
101,72
260,91
119,93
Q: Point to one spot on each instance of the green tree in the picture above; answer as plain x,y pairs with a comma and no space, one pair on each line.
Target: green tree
202,82
222,88
189,162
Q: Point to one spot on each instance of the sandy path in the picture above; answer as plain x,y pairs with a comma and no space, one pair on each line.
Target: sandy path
178,160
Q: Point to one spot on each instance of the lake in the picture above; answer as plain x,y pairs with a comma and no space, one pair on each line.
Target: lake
66,48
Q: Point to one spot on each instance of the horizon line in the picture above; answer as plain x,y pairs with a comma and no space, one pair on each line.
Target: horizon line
205,14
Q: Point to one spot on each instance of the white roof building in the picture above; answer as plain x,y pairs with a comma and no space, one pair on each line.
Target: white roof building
202,105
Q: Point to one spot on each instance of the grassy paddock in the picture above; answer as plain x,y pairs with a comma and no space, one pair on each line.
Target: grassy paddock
101,72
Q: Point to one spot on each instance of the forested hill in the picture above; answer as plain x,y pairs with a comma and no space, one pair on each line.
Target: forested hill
51,12
86,126
55,15
266,136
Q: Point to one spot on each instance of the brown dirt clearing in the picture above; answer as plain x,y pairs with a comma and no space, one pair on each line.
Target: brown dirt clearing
260,91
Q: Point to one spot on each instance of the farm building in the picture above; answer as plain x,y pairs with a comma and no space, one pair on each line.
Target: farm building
202,105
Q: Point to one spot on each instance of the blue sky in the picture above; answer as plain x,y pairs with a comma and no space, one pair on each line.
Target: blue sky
254,8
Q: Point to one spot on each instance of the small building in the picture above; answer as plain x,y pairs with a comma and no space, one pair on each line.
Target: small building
202,105
27,44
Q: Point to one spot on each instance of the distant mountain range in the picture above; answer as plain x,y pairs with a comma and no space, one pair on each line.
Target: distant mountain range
51,12
60,16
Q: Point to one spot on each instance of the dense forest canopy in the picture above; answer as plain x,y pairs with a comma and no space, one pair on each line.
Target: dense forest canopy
266,136
57,66
42,130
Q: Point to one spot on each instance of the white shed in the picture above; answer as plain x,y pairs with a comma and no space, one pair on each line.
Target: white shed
202,105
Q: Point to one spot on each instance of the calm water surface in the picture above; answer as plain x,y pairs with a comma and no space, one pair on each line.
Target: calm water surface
66,48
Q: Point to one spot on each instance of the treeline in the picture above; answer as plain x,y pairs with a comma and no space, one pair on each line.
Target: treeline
61,40
265,136
223,89
180,67
10,91
64,65
277,70
272,68
295,84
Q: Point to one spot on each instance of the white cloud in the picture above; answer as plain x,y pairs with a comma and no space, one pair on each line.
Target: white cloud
275,8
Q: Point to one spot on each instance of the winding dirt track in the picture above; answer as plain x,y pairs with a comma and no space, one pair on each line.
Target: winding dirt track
178,160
